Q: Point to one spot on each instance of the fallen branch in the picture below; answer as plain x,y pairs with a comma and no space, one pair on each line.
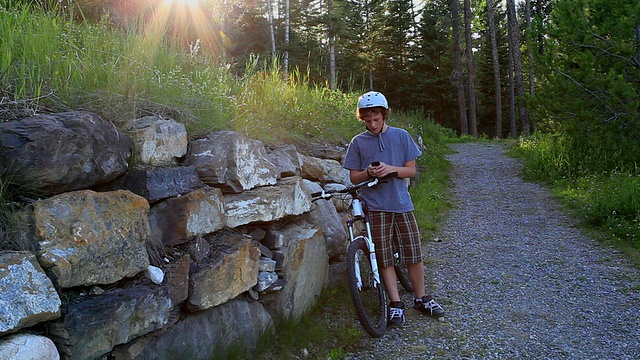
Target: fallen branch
25,101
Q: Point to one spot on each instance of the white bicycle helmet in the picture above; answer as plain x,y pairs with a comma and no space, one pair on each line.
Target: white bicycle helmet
372,99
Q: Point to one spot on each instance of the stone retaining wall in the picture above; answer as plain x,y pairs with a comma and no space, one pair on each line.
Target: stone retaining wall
194,249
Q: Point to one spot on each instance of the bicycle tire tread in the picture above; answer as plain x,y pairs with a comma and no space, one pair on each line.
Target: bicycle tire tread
374,327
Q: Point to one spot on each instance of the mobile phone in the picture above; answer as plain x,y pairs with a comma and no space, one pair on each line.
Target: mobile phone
375,163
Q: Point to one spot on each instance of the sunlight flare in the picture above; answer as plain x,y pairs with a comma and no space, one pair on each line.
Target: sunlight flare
186,21
190,3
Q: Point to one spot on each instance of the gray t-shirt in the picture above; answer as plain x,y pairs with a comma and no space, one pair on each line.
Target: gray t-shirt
394,147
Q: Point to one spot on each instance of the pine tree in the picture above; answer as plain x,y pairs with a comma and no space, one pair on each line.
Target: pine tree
592,92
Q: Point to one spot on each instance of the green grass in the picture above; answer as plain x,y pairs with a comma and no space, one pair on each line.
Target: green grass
327,331
609,206
50,63
430,193
606,201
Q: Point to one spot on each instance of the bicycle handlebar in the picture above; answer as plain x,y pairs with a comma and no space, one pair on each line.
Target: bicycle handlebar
353,189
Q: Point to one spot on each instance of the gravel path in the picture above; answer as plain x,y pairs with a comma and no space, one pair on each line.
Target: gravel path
516,278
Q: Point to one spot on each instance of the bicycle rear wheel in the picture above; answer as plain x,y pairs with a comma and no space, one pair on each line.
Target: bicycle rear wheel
370,299
402,273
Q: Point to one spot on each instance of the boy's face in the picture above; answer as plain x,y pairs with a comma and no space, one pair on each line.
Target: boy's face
374,121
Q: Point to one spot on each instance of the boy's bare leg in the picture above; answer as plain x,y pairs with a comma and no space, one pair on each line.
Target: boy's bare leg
422,302
416,275
388,275
396,307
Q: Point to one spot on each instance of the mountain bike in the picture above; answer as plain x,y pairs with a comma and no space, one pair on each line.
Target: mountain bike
365,285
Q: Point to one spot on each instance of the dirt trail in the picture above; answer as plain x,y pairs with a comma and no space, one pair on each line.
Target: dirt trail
516,277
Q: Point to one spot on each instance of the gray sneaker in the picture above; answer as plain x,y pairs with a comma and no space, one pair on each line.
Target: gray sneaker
428,306
396,314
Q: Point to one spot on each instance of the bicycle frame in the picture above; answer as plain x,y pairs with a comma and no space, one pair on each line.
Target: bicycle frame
360,216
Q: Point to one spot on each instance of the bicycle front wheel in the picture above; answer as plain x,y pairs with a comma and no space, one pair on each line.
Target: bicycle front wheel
369,297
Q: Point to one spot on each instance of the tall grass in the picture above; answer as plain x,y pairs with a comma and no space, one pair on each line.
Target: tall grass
267,102
569,156
545,157
608,202
48,62
429,194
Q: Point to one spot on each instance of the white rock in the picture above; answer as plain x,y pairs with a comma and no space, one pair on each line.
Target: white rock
27,347
155,274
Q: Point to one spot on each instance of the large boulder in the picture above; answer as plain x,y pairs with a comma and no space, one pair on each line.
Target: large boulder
93,325
55,153
286,159
89,238
267,203
324,151
158,141
312,168
159,183
334,172
204,335
230,271
28,296
232,162
28,347
325,216
177,220
306,267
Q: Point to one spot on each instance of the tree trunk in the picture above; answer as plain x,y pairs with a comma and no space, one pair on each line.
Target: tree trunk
457,76
367,25
471,76
638,51
638,46
514,49
332,48
287,27
513,130
529,46
532,78
271,29
496,69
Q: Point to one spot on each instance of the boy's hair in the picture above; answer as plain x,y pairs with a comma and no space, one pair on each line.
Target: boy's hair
360,113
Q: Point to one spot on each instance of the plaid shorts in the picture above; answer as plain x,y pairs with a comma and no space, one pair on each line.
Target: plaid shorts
400,229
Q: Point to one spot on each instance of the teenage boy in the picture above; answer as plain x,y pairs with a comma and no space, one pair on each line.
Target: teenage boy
378,151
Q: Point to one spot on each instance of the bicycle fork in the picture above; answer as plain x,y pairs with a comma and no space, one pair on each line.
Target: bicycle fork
360,216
